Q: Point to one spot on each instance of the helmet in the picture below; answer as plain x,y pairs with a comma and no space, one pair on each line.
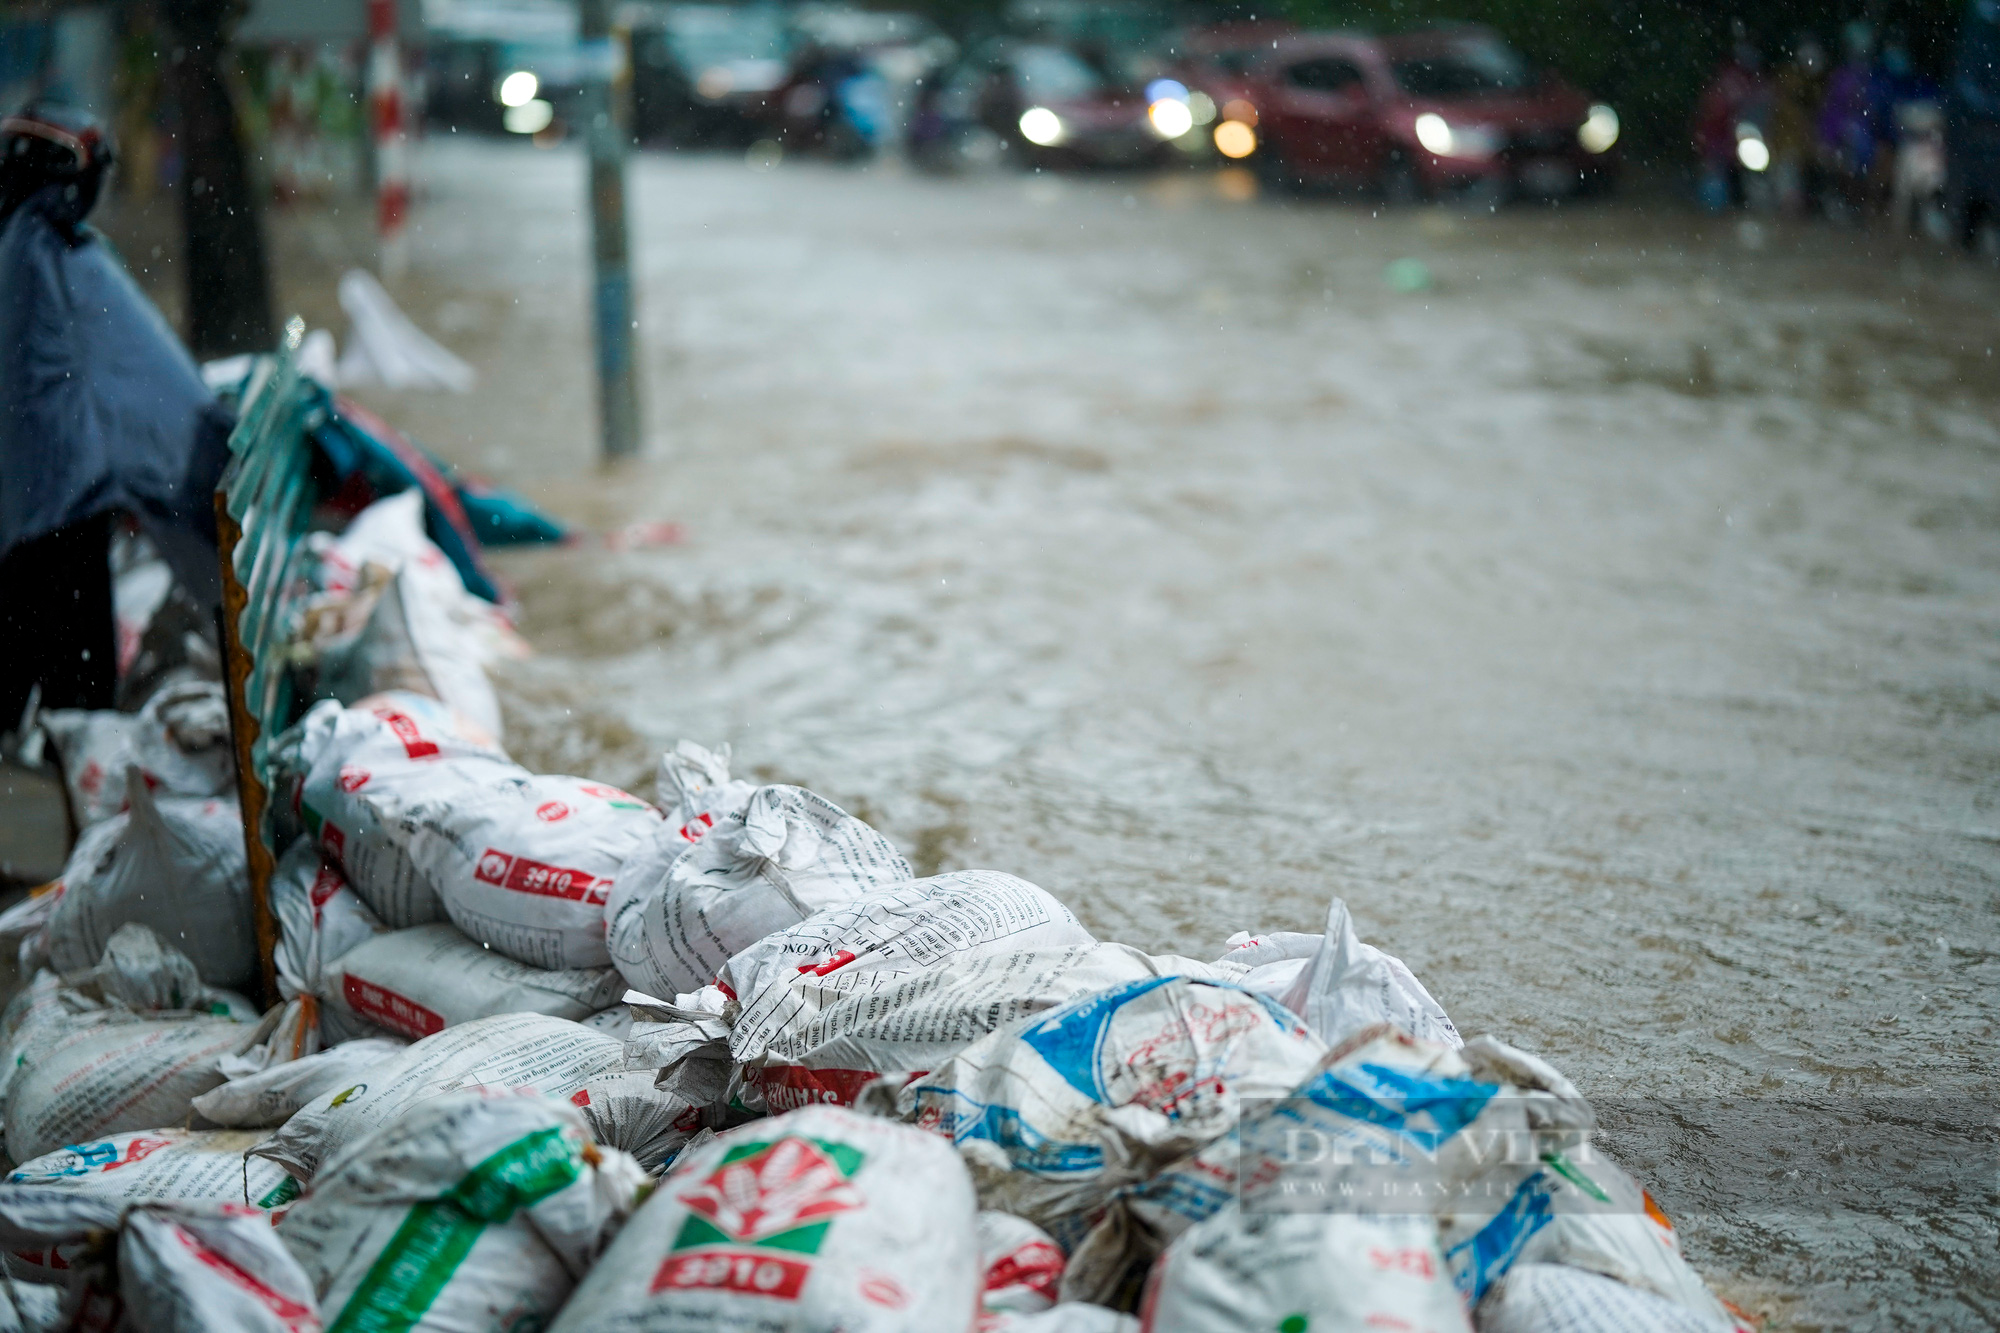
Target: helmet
42,146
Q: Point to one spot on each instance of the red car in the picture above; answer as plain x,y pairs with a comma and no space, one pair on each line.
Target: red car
1416,114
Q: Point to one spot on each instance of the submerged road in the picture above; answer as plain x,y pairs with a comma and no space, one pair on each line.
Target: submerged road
1604,604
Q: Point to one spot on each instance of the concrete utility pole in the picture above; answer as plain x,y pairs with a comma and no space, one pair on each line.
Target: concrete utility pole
391,131
617,320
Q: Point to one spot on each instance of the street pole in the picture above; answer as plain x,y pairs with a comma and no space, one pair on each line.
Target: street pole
617,334
392,150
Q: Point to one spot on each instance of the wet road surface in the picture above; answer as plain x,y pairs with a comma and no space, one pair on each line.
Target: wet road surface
1611,619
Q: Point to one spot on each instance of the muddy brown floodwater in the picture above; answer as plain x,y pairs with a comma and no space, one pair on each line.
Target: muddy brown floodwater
1612,622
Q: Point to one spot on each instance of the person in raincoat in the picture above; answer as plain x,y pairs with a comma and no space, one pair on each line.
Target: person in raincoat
103,414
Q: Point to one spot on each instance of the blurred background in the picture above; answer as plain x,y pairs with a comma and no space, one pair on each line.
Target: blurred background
1530,467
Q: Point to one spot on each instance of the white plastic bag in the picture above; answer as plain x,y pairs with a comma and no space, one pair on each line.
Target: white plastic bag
1337,984
469,1212
682,910
1060,1111
31,1307
173,864
420,981
813,1222
384,347
179,742
901,979
195,1270
517,1051
1331,1273
1555,1298
271,1096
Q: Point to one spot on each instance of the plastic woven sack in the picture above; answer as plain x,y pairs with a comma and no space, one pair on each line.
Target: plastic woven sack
682,909
816,1221
469,1211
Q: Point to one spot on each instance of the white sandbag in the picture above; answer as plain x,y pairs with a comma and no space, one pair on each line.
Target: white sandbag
388,637
813,1222
145,1166
1330,1273
469,1212
904,978
393,613
356,773
519,1051
682,910
191,1270
271,1096
1060,1111
1337,984
526,862
1555,1298
614,1022
1022,1266
694,789
423,980
95,1075
174,1164
173,864
139,972
320,917
1383,1119
179,742
1584,1212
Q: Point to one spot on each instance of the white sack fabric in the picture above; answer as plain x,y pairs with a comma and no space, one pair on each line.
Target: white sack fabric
683,909
469,1212
179,742
172,863
821,1221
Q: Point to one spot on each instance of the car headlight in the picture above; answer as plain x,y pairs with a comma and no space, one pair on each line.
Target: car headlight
531,117
519,88
1170,117
1039,125
1234,139
1441,137
1599,129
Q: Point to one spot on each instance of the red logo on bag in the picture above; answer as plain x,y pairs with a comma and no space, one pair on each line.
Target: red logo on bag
524,876
839,960
782,1186
333,840
325,884
729,1270
1036,1265
138,1150
789,1087
694,828
352,778
405,727
384,1007
551,812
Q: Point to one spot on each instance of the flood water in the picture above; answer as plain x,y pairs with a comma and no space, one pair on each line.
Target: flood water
1604,605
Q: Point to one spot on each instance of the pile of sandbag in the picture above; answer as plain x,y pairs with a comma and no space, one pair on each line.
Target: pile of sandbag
872,1101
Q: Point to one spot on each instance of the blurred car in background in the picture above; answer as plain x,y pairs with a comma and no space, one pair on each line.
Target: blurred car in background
705,74
1037,103
853,79
502,65
1417,114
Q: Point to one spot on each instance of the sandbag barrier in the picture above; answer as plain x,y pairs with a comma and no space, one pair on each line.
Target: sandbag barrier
534,1046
